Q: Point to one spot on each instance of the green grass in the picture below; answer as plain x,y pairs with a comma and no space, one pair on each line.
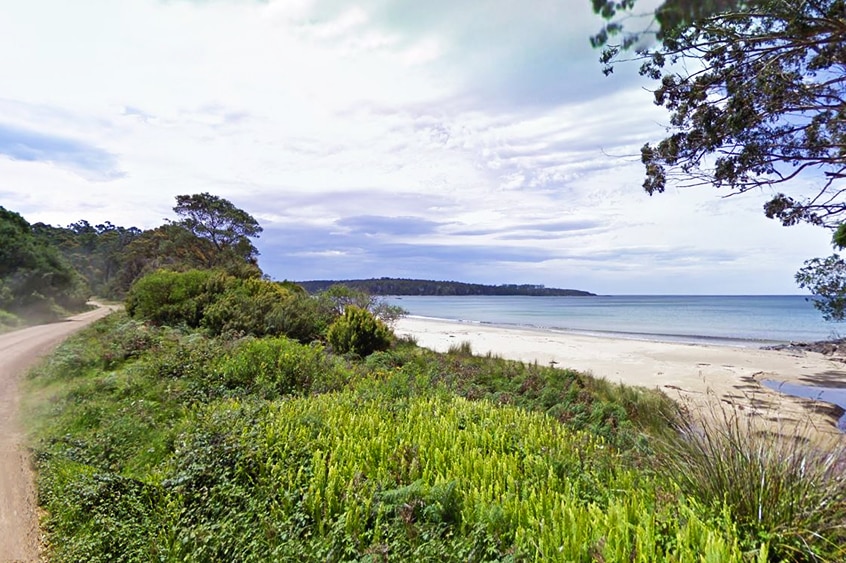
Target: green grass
8,321
154,444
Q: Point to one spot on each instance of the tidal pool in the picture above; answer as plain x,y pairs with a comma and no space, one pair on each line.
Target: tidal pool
833,395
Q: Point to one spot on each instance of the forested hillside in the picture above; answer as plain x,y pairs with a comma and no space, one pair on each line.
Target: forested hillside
395,286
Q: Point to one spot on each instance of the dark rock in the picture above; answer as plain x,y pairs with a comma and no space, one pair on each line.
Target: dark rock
834,348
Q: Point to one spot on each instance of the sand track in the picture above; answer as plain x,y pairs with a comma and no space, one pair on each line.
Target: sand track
19,351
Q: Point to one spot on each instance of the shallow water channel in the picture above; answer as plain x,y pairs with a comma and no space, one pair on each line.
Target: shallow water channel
833,395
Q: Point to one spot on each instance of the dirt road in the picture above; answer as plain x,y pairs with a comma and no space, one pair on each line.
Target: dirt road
19,350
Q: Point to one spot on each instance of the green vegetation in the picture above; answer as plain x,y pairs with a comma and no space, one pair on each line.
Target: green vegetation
226,304
226,417
96,252
174,444
47,271
358,332
36,282
226,229
779,489
393,286
171,298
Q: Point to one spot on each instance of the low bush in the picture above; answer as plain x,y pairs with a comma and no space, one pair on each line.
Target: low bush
335,300
274,367
358,332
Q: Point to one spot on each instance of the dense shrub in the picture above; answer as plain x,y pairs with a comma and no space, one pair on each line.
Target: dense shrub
358,332
263,308
302,318
226,304
273,367
246,306
172,298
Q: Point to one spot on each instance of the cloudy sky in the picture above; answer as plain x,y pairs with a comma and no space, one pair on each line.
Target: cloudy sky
474,141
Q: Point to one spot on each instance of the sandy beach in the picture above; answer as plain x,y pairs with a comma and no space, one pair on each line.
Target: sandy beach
692,373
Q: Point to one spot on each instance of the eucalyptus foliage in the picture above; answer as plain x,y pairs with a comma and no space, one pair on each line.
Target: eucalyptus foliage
826,279
219,221
756,92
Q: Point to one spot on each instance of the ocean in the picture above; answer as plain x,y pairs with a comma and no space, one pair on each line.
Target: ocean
735,320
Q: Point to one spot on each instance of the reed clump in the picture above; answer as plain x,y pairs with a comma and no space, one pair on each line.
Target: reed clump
785,491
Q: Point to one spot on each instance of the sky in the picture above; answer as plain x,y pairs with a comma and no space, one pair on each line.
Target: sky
470,141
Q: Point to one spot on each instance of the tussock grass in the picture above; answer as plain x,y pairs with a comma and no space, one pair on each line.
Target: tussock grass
463,348
781,488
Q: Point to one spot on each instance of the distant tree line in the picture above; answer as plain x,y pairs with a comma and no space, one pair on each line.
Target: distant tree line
399,286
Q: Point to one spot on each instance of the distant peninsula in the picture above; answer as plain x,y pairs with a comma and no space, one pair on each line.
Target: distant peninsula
399,286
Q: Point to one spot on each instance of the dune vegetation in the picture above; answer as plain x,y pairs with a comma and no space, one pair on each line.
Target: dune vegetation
214,420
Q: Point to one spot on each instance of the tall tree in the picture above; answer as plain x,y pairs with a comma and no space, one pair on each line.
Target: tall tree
218,221
212,233
756,92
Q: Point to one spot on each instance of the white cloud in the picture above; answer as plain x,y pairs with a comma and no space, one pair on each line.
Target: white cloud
481,118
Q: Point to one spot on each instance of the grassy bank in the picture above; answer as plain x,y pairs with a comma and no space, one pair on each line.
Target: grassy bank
155,444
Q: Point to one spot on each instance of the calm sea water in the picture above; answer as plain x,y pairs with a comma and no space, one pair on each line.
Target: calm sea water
735,320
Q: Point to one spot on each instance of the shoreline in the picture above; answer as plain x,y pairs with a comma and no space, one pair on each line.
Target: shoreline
746,321
684,339
697,375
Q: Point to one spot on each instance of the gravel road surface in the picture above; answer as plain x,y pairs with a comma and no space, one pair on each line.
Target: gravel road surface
19,351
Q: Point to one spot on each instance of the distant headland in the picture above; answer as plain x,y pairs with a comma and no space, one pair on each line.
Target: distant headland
400,286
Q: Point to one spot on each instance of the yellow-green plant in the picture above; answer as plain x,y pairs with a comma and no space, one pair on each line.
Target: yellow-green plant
516,481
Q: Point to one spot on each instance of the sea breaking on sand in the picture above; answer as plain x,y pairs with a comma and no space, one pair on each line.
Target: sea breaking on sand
692,373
